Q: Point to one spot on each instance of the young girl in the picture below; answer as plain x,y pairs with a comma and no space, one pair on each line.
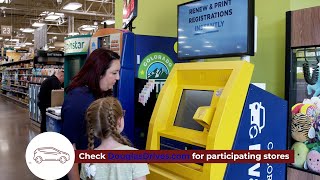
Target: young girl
105,120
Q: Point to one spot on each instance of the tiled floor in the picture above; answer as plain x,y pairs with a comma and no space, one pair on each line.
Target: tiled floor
15,134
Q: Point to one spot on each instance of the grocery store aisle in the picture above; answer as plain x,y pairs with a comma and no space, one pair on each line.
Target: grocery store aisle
15,134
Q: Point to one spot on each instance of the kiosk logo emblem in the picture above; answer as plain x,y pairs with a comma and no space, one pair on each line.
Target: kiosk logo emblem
256,124
156,66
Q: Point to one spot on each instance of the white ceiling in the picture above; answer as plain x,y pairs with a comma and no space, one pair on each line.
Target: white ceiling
23,13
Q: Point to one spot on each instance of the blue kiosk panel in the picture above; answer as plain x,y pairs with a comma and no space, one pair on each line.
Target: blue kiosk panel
145,45
128,51
263,126
125,89
125,95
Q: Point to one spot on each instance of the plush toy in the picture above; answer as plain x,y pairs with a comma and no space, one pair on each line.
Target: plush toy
316,126
300,154
300,127
316,101
309,110
315,88
313,161
296,108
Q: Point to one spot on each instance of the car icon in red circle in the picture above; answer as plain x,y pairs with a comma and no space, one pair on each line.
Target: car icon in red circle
50,154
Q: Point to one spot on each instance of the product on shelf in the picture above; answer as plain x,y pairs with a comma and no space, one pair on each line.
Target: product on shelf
300,154
14,82
313,160
305,130
40,72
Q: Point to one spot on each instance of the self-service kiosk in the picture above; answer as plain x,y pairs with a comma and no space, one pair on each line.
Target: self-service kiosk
75,51
213,106
142,58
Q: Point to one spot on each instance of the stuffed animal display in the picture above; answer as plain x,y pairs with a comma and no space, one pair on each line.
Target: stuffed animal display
300,127
305,130
300,154
313,161
315,89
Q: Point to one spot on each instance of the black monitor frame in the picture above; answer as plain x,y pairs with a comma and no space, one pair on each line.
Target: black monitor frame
250,35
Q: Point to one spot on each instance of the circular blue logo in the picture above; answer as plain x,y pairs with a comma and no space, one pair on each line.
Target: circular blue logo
157,71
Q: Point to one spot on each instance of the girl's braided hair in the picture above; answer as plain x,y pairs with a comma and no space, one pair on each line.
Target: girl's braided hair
102,120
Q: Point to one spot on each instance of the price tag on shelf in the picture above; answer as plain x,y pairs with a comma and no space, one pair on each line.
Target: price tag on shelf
300,54
310,54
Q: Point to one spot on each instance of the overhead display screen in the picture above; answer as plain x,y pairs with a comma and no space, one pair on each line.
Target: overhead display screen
215,28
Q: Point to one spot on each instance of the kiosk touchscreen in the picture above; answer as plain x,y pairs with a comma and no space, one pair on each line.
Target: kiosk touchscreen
189,103
208,106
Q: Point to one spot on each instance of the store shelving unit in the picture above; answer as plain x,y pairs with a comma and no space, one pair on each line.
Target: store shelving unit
15,80
1,70
45,64
39,74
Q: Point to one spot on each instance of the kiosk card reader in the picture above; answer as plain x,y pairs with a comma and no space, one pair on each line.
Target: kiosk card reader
212,106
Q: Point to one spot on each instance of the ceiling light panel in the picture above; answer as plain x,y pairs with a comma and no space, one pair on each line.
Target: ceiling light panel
28,30
88,27
108,22
5,1
14,40
72,6
38,24
52,17
73,34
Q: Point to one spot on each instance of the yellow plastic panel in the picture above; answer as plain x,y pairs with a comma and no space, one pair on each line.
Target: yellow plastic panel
229,81
204,116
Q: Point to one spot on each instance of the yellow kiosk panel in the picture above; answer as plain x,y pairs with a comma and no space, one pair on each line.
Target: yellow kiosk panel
198,108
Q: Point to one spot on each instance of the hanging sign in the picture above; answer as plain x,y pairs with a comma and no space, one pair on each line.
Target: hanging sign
6,30
130,10
77,44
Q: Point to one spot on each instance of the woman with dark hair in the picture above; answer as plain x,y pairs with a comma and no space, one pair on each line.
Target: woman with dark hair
95,80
